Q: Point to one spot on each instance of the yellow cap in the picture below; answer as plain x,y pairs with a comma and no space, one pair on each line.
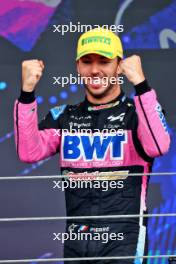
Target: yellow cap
99,41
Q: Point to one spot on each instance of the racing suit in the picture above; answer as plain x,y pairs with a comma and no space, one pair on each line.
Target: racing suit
143,135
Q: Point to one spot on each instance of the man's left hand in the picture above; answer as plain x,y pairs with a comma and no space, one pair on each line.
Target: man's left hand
131,67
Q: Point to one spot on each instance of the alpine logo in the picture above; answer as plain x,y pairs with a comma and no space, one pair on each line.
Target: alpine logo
119,117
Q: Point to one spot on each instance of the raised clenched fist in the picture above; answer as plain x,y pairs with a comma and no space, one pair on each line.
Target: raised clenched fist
131,67
31,74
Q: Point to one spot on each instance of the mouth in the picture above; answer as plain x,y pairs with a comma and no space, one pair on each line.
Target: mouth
96,82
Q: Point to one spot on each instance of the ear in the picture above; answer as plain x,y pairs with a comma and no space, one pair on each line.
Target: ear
77,66
119,68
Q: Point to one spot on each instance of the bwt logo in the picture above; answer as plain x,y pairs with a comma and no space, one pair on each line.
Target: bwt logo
94,147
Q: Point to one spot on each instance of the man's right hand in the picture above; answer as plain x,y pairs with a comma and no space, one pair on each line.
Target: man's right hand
31,73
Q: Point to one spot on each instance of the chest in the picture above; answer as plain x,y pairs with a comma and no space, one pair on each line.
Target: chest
98,135
108,120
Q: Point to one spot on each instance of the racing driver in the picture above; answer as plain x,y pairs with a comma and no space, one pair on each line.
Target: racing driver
114,155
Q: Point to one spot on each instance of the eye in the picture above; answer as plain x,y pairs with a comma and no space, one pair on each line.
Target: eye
104,62
86,61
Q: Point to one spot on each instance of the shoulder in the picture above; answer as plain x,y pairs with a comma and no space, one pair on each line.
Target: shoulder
129,102
57,111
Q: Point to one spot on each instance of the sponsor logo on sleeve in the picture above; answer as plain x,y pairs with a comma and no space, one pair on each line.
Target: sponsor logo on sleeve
158,108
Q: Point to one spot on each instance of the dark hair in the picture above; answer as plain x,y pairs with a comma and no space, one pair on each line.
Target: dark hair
118,59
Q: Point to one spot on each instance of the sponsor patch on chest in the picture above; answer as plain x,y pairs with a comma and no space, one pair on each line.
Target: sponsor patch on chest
93,147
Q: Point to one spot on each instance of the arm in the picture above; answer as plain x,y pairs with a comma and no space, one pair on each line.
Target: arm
33,143
152,128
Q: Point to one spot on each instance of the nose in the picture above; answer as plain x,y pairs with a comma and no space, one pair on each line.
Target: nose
95,69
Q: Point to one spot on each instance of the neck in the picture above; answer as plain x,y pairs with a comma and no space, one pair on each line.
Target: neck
108,97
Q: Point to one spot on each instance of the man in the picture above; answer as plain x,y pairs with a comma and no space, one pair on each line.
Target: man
143,135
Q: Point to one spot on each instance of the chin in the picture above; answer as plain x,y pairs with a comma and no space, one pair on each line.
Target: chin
97,92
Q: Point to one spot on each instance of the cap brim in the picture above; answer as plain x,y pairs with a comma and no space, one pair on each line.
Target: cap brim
108,55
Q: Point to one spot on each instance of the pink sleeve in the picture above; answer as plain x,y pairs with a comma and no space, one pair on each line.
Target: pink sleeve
31,143
152,128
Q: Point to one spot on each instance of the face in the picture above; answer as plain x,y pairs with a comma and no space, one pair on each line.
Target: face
97,71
